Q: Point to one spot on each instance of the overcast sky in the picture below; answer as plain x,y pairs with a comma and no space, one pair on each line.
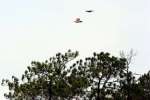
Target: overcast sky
38,29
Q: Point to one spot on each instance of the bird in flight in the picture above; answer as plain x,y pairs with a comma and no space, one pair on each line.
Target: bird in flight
89,11
78,20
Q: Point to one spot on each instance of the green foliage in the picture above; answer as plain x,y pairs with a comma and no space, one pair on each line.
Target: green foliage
100,77
103,71
144,83
37,78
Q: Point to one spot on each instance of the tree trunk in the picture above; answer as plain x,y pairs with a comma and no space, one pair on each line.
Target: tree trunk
128,84
129,97
50,91
98,98
98,90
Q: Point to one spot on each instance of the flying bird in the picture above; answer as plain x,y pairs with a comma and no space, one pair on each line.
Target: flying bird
89,11
78,20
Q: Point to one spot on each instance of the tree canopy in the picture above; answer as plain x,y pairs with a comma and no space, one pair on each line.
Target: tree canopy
100,77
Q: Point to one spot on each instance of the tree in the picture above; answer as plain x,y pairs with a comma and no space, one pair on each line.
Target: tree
144,83
100,77
103,70
13,86
128,85
47,79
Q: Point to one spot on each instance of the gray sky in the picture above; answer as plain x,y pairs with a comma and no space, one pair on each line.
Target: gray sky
37,29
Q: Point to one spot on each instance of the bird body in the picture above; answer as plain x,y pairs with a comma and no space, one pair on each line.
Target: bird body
89,11
78,20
